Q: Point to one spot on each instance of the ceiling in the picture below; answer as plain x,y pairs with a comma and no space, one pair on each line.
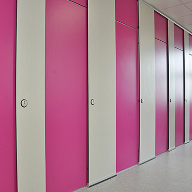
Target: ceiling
179,11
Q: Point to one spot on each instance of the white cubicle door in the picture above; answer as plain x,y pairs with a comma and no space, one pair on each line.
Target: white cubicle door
171,62
187,87
102,90
147,83
30,85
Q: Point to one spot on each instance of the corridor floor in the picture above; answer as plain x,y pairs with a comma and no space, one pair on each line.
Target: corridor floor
168,172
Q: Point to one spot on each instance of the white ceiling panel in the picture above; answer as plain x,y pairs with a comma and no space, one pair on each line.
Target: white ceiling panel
187,20
162,4
189,27
189,5
177,11
185,1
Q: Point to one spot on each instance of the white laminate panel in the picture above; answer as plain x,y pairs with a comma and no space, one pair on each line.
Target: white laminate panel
30,85
102,88
187,87
171,85
147,82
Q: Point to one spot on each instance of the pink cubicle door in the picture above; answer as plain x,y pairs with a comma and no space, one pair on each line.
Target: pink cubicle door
127,97
66,96
126,11
161,84
8,176
161,138
127,100
178,37
190,44
160,27
190,83
179,86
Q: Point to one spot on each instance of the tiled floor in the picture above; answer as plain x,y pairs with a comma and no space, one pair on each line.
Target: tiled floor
168,172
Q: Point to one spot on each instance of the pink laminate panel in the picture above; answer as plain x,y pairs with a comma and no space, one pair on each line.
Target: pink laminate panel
81,2
190,44
160,27
126,11
127,97
190,75
66,96
178,37
161,89
8,177
179,98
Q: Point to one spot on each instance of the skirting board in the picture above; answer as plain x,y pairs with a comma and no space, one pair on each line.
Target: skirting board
171,149
102,180
145,161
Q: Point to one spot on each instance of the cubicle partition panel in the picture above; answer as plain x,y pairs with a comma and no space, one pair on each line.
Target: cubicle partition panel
161,84
126,11
66,95
80,2
127,77
179,85
190,44
8,178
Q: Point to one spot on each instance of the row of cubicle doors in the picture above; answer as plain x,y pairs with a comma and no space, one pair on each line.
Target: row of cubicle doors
101,91
178,85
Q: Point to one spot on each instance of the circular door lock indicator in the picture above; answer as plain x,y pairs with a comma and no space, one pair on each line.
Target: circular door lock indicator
24,103
92,102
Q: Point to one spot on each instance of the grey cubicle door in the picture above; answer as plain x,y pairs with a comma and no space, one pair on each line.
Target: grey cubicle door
30,85
101,90
147,83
